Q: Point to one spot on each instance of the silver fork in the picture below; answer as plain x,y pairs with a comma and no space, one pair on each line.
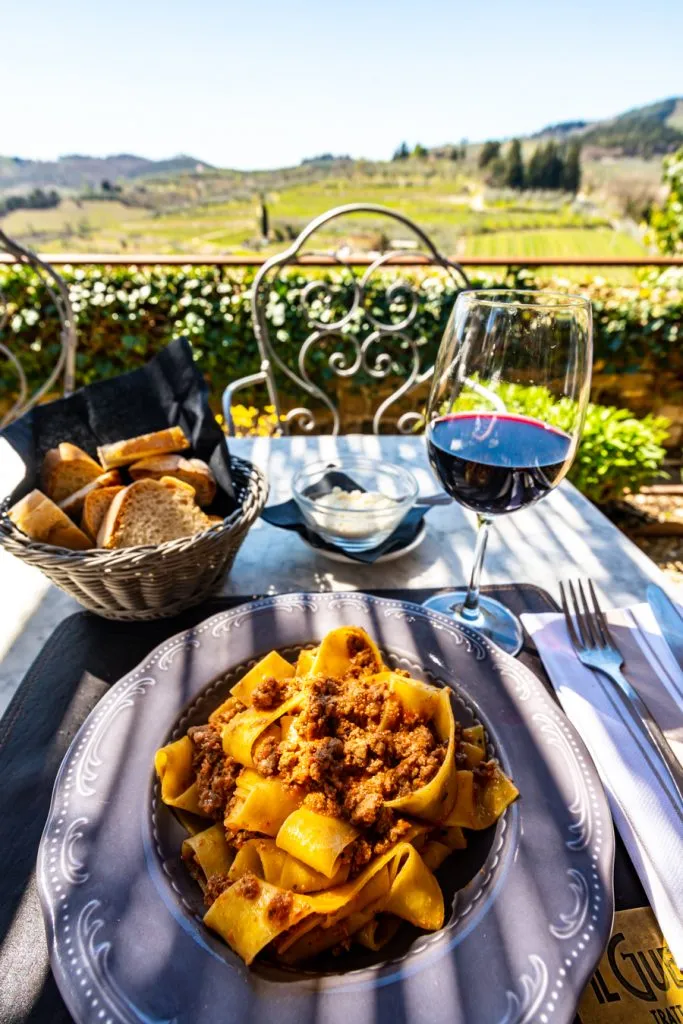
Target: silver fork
595,647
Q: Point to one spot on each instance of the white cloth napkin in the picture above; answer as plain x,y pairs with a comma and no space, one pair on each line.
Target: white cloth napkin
644,805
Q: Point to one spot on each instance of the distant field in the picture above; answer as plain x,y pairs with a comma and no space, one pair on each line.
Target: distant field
73,218
599,243
627,169
591,244
219,213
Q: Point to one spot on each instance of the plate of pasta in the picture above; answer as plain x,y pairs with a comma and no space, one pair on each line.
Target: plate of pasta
326,807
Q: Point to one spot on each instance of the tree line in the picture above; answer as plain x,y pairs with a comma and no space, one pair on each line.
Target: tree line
420,152
550,166
35,200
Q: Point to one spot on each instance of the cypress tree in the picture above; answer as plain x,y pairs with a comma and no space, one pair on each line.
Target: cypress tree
514,166
489,152
553,166
571,172
264,217
535,167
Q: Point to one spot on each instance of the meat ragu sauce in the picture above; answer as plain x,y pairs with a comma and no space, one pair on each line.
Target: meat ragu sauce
333,783
353,748
216,773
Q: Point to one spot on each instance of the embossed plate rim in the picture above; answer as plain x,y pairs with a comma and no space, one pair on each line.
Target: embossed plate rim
547,964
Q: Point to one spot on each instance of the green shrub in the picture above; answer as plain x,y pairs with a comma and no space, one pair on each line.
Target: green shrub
667,221
618,452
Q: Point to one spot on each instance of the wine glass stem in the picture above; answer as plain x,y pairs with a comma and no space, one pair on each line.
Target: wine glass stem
470,608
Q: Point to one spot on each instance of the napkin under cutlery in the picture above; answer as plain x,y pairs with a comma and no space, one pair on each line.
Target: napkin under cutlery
645,807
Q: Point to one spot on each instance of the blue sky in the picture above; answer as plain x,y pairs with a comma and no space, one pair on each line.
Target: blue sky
258,83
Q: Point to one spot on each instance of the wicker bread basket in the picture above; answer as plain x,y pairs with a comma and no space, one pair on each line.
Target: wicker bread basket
143,583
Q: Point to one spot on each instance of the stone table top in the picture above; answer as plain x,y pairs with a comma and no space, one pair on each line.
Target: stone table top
564,535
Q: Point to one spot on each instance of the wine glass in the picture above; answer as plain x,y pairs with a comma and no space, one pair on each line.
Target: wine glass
504,419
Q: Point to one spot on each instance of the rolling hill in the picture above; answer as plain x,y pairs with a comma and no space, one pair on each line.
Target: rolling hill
182,205
644,131
78,172
647,131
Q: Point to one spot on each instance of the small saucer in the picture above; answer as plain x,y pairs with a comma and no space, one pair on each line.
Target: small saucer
389,556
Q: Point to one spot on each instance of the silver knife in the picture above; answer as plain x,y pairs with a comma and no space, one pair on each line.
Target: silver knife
668,619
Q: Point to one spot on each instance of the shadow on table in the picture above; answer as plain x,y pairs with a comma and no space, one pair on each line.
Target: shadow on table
34,736
49,610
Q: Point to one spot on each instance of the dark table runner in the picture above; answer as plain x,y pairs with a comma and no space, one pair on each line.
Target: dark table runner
79,662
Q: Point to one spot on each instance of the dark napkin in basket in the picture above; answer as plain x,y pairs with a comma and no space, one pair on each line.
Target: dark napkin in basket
288,517
168,391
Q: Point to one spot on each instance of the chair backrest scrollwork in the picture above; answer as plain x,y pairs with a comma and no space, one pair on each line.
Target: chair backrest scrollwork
65,364
365,343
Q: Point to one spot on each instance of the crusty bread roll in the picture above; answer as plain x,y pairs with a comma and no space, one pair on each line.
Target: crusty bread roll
41,519
66,469
190,471
120,453
94,507
74,503
151,512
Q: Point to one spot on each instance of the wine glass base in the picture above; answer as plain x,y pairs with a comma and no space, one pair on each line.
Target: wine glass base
494,620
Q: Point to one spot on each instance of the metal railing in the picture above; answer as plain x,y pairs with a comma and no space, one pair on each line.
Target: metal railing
79,259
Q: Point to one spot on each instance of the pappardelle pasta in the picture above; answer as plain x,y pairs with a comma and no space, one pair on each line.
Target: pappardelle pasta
335,788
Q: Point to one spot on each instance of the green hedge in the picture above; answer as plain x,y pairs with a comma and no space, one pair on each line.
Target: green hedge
124,315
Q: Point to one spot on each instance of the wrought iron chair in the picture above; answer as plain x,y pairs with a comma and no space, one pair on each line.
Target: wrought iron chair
365,345
65,364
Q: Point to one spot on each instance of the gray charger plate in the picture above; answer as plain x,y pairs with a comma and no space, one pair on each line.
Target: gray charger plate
388,556
529,904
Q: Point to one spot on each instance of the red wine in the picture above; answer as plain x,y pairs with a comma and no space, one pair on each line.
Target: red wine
494,463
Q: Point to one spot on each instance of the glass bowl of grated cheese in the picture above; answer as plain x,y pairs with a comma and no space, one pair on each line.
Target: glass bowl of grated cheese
354,502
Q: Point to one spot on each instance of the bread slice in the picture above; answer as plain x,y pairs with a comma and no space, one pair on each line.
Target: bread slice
74,503
151,512
66,469
94,507
39,518
120,453
191,471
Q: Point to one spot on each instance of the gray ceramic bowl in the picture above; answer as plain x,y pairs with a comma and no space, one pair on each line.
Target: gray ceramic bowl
530,904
